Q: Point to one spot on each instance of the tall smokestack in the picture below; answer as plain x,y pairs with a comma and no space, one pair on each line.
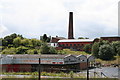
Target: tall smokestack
70,30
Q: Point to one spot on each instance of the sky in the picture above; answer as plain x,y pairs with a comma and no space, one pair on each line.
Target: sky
33,18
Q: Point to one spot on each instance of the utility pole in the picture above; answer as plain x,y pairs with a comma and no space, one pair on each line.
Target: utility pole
87,68
39,69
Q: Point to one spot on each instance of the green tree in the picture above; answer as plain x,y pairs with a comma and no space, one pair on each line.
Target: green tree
25,42
45,49
118,51
45,37
87,48
52,50
106,52
116,46
95,49
102,42
35,52
9,39
35,43
83,38
32,51
17,42
9,51
96,46
22,50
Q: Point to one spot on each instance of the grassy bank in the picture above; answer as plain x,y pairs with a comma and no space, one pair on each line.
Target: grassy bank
60,79
35,74
115,61
68,51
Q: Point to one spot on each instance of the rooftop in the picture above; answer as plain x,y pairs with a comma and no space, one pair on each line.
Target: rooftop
76,40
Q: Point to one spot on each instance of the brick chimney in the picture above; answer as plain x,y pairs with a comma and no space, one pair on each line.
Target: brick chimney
70,29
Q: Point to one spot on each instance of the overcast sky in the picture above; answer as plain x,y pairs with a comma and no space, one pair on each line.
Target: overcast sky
33,18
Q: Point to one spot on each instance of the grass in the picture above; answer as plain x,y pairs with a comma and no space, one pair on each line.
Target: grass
59,79
33,74
115,61
68,51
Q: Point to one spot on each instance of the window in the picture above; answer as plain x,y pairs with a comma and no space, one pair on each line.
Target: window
74,44
70,44
59,45
66,44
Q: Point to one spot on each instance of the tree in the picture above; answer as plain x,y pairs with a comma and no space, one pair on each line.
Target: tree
44,37
35,43
52,50
32,51
116,46
87,48
17,42
44,49
22,50
95,49
106,52
83,38
9,39
118,51
9,51
25,42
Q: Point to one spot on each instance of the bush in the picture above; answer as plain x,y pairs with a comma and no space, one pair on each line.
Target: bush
106,52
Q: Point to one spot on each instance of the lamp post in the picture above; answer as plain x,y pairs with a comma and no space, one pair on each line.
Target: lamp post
88,60
87,68
0,66
39,69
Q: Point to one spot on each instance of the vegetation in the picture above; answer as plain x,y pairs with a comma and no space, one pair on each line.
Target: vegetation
60,79
16,44
83,38
44,38
68,51
61,74
87,48
106,50
45,49
57,76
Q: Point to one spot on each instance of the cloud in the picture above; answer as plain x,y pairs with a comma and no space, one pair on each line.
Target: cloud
3,30
33,18
102,13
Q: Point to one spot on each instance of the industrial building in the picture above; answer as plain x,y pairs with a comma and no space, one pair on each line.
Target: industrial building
76,44
49,63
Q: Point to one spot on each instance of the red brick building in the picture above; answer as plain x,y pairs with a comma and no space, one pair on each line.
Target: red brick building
74,44
110,39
